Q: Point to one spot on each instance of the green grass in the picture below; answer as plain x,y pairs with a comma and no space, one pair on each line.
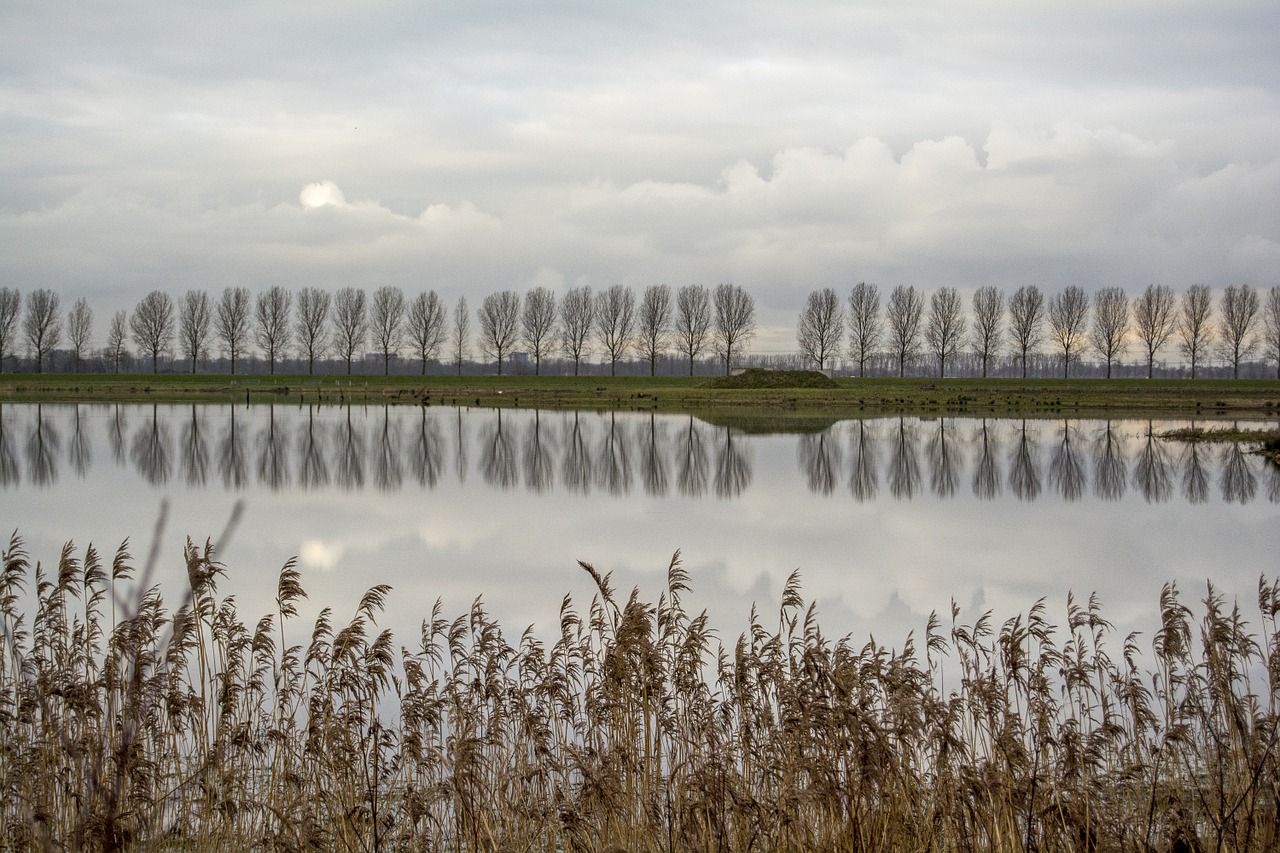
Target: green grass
840,398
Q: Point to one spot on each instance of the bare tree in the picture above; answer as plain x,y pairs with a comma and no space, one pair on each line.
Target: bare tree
1239,309
1154,318
312,332
42,327
1195,324
735,321
79,329
499,324
945,328
461,332
1068,320
615,322
10,309
350,323
1110,332
865,325
1026,322
577,317
902,316
386,318
693,321
538,325
195,320
152,325
988,324
1271,326
117,337
820,329
655,323
271,323
231,322
426,326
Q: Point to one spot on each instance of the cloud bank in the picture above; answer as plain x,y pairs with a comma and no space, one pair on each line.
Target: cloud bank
472,147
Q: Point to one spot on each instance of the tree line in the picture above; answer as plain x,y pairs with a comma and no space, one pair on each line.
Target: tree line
679,329
693,322
1066,326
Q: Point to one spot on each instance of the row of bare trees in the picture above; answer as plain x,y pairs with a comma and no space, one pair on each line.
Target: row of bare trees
1069,323
692,322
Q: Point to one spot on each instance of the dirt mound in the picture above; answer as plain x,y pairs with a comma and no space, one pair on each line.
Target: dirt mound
756,377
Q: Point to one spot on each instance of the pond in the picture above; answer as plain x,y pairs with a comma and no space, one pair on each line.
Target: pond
885,519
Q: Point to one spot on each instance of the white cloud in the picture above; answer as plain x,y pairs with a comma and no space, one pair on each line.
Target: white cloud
320,195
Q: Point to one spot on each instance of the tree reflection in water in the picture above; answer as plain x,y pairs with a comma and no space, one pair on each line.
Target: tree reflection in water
733,466
1195,480
460,448
80,451
10,470
904,467
42,450
943,460
613,462
194,450
273,454
388,473
653,457
350,470
986,470
821,461
609,452
428,450
1066,468
864,481
1024,472
498,454
1239,484
150,450
576,470
693,462
313,456
116,436
1153,473
232,462
1110,474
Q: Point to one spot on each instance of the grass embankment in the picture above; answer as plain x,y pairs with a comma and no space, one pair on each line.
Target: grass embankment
765,399
630,728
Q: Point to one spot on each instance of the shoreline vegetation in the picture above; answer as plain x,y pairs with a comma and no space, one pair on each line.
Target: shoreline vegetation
132,722
769,395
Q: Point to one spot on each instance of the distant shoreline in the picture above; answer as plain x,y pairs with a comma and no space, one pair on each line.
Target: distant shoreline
1002,397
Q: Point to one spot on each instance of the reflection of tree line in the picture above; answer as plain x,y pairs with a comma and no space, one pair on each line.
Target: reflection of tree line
620,454
1066,462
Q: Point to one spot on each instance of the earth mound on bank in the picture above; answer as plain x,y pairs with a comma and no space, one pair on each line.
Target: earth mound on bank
756,377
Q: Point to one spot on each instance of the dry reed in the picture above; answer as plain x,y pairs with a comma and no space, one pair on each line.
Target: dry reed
632,728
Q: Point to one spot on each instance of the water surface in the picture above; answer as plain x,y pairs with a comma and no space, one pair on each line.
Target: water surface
886,519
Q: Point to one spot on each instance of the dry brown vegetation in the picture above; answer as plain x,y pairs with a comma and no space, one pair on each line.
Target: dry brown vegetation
137,726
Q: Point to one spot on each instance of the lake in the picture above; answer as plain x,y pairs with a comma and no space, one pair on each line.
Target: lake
886,519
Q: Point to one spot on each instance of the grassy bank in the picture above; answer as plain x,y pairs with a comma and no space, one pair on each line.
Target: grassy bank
184,725
843,398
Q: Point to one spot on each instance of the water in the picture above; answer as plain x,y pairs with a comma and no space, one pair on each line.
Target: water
886,519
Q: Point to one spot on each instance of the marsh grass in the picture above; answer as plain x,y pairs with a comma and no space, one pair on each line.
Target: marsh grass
127,725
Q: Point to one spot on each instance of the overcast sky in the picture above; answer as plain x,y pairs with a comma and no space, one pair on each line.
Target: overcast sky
474,146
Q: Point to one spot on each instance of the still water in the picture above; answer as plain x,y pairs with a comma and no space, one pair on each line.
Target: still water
885,519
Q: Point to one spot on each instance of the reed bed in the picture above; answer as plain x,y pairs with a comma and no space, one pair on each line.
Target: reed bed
128,724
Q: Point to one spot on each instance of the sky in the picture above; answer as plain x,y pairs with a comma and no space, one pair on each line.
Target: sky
470,147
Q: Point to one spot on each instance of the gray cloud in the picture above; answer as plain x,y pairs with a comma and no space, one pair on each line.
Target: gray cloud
784,146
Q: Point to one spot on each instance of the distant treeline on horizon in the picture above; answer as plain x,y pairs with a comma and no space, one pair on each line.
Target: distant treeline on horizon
692,330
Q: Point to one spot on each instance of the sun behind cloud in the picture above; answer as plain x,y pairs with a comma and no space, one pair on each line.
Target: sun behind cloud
321,194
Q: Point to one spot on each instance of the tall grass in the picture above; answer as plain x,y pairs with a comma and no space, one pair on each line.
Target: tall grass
632,727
